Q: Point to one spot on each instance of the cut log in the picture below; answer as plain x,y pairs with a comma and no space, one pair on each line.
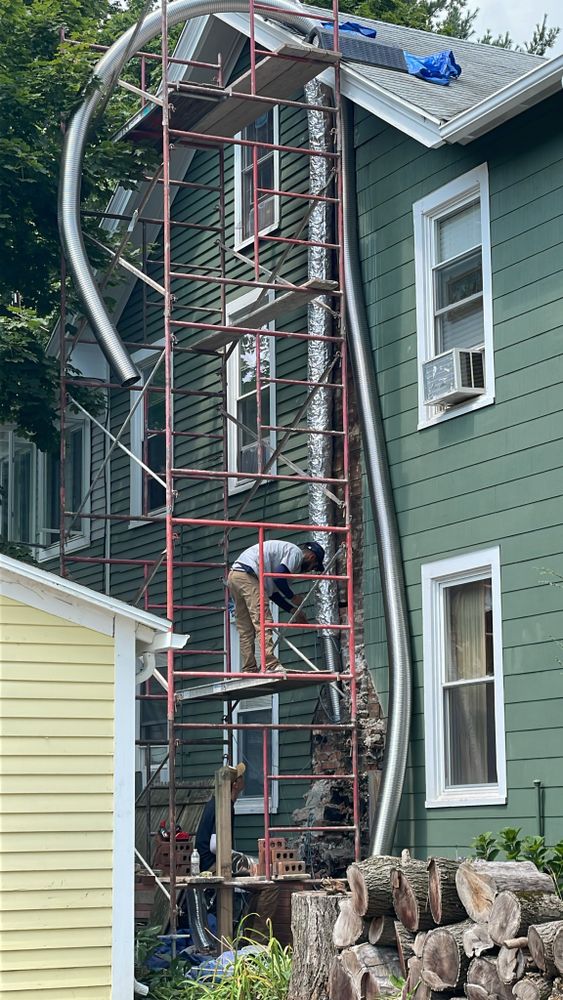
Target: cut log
478,882
349,928
557,989
340,986
533,986
476,940
513,912
404,941
558,949
519,942
512,964
409,887
370,886
371,969
444,962
414,966
541,939
381,931
445,905
482,975
418,943
313,916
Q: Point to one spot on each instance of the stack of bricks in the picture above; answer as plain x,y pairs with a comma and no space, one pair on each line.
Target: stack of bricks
161,859
283,860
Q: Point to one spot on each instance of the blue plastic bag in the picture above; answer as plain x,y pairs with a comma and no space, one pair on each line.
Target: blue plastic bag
439,68
360,29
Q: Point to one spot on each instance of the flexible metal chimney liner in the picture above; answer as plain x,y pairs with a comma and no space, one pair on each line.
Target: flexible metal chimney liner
381,495
104,79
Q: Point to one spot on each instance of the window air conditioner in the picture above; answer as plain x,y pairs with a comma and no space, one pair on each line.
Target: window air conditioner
453,376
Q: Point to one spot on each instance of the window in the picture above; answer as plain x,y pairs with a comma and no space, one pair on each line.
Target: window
463,681
248,743
17,488
244,452
152,732
77,479
265,129
453,282
148,440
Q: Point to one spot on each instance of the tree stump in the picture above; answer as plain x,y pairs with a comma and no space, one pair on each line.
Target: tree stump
404,941
370,887
445,905
409,887
444,962
382,932
512,964
541,939
370,970
313,915
482,975
478,882
514,911
349,928
476,940
533,986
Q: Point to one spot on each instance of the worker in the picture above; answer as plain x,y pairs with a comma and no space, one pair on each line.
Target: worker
279,557
205,838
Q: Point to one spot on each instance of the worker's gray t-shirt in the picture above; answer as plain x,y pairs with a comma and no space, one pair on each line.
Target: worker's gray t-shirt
275,552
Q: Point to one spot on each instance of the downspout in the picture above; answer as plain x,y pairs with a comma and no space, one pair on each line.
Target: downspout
319,354
103,80
383,512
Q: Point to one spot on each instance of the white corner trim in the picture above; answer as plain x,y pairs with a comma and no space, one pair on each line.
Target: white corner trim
123,881
464,566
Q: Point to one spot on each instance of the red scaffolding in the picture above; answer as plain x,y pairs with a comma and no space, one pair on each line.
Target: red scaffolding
212,116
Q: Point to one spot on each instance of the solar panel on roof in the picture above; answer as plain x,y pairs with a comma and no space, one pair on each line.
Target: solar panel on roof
359,49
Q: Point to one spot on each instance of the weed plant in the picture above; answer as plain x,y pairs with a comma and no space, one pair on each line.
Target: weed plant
259,976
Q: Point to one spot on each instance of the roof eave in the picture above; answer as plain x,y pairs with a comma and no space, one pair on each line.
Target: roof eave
534,86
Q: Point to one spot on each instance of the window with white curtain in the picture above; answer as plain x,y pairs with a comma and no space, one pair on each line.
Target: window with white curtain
463,681
17,488
148,439
76,483
453,281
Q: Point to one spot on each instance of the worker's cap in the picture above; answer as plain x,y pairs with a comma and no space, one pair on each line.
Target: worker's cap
319,552
238,772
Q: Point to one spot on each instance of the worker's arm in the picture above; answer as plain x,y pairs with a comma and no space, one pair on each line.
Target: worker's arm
284,597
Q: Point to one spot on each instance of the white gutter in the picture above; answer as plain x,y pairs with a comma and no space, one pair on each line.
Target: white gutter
534,86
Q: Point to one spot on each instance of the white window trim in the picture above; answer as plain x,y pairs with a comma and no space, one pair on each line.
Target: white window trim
425,212
12,433
239,242
136,442
233,307
459,569
252,805
82,540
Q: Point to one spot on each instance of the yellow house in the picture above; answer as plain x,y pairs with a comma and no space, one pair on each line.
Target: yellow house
67,761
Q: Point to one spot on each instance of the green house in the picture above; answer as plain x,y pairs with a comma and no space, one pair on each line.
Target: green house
459,209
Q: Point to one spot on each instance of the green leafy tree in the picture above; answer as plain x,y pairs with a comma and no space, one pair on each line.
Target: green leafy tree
41,84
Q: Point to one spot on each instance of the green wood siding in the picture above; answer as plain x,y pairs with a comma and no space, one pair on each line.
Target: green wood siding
488,477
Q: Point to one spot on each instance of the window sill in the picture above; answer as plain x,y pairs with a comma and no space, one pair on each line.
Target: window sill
476,797
240,244
235,487
53,551
455,411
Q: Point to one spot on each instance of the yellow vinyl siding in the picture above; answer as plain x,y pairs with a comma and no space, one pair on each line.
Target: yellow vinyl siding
56,828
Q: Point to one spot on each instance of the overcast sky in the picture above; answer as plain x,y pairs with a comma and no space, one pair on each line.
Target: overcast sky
519,17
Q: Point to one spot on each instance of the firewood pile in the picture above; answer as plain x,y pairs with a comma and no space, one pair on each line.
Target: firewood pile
485,930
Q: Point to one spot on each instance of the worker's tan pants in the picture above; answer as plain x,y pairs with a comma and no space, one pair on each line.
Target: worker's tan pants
245,591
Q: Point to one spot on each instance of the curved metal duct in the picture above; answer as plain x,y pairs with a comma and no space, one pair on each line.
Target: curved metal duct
381,496
103,80
319,354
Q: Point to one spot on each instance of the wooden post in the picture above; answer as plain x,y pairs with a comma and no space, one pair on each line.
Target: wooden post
223,832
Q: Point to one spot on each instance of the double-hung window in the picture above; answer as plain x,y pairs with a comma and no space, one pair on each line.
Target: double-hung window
264,129
17,488
76,483
453,292
463,680
249,447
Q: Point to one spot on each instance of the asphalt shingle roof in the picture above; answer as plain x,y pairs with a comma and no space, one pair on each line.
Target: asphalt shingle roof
485,69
